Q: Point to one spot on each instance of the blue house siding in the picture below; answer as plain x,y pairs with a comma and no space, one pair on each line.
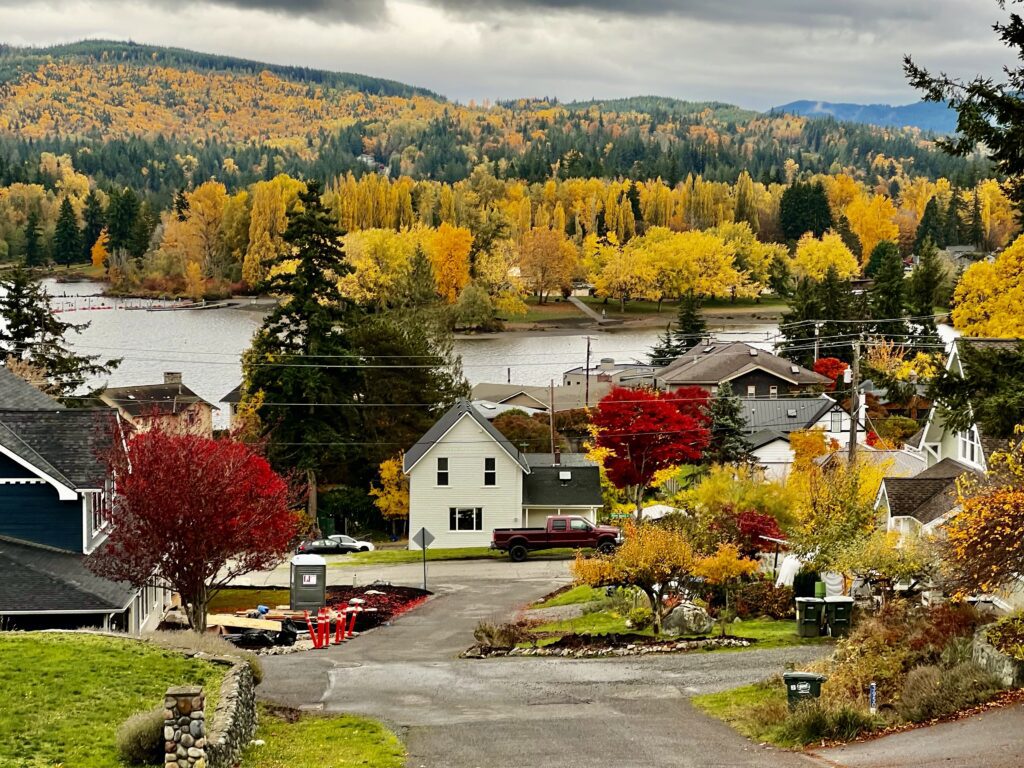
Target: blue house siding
34,513
10,469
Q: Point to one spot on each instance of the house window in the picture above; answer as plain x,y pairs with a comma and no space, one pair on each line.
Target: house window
751,390
442,471
837,421
490,471
465,518
773,392
970,446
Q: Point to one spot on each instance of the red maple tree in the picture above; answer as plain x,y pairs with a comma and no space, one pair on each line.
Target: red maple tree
646,432
832,367
193,513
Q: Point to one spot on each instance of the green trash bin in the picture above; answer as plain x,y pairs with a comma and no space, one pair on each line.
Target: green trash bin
838,615
802,686
820,590
808,616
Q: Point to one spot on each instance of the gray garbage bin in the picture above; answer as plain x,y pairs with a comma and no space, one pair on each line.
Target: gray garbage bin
308,583
838,615
808,616
802,686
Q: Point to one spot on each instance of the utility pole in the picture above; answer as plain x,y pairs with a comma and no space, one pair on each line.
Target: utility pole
551,416
816,341
854,401
586,383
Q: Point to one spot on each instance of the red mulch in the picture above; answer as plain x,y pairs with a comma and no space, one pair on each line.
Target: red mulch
392,603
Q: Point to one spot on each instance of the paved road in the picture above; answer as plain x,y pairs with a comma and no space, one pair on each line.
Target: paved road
538,712
992,740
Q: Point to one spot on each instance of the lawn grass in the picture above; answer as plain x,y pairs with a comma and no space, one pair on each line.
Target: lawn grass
341,741
399,556
574,596
64,695
550,310
245,599
753,710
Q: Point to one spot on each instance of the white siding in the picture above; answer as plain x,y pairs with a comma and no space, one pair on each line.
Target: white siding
776,457
466,445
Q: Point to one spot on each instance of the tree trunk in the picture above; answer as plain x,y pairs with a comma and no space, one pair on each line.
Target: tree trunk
311,491
653,597
195,609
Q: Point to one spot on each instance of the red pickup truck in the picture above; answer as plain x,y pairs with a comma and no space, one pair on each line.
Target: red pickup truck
561,531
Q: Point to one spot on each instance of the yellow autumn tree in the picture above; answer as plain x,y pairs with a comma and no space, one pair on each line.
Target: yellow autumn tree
271,202
547,261
627,273
195,284
448,249
391,497
725,568
813,257
380,258
99,251
989,298
873,220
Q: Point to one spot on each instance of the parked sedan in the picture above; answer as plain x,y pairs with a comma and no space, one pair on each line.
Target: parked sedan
354,545
323,547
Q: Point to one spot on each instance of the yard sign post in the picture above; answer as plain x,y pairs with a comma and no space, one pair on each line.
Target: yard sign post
424,539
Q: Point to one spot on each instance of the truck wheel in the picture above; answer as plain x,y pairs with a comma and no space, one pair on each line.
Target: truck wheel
606,547
517,553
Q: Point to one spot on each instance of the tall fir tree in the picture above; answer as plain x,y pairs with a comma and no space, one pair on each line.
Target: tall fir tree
729,444
951,223
931,226
122,213
30,332
798,325
804,208
975,227
67,238
924,287
887,298
33,239
879,254
94,220
685,334
839,303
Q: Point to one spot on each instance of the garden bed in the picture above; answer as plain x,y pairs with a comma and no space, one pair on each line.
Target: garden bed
581,646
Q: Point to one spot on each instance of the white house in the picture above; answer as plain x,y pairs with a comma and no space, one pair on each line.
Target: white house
466,479
769,423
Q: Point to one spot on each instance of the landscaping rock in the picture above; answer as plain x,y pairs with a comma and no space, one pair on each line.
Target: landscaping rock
688,619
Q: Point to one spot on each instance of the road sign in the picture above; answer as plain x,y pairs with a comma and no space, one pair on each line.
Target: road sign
423,539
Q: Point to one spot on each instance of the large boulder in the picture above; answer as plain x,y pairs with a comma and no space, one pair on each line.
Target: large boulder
687,619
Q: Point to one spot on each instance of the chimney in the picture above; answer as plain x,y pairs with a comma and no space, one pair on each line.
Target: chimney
607,363
172,377
558,456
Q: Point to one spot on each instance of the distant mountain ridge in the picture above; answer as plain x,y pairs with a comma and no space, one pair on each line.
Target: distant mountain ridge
927,116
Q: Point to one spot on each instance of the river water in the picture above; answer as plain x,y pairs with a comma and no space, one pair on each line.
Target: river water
205,346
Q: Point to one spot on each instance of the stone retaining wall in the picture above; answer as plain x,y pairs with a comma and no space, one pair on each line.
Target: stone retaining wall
191,740
1010,672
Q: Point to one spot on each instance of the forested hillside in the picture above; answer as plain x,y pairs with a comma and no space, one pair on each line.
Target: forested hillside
159,120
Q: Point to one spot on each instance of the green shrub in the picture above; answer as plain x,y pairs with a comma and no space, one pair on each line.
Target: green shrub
490,635
932,691
817,720
255,667
959,650
763,598
640,617
140,738
1007,635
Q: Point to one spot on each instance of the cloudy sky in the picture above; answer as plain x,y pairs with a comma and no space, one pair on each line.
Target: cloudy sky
757,53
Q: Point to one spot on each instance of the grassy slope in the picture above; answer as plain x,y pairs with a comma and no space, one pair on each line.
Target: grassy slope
747,708
328,742
574,596
55,686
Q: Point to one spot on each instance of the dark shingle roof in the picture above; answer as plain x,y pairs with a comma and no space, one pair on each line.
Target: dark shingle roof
68,444
928,495
544,486
446,422
234,396
18,394
710,364
765,436
147,399
37,579
566,460
784,414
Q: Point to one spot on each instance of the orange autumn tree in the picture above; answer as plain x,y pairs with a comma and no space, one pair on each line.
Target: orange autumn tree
391,498
984,546
725,568
99,251
650,559
448,248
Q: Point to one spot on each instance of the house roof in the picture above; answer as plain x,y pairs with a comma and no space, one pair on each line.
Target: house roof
66,444
566,398
234,396
18,394
611,367
784,414
38,579
491,411
564,486
565,460
717,361
451,417
928,495
902,463
766,436
149,399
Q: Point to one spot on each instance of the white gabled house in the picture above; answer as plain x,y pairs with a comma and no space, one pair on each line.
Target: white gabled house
466,479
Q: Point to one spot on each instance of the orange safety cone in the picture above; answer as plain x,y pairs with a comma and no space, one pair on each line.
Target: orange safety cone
352,621
339,624
312,631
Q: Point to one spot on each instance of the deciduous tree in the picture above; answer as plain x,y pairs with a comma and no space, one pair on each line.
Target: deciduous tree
814,257
391,497
194,514
724,568
989,299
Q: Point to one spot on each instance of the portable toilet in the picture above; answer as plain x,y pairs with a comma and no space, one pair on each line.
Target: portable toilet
308,583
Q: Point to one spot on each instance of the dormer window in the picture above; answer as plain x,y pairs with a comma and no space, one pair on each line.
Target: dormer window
969,446
442,471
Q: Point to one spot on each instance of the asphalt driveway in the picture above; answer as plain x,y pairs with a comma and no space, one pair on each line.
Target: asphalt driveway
538,712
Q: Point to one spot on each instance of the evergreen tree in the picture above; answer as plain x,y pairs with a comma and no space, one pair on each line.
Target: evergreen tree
67,239
804,208
33,239
418,289
849,237
924,287
931,226
952,234
798,325
728,444
122,212
975,228
880,253
688,330
887,297
29,331
95,221
838,302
